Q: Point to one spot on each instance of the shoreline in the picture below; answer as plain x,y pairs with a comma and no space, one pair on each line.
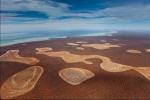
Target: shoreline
53,36
119,34
80,37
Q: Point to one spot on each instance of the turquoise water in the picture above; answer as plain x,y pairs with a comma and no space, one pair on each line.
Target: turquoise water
15,38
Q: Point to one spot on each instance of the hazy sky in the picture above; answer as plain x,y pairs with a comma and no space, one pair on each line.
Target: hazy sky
47,15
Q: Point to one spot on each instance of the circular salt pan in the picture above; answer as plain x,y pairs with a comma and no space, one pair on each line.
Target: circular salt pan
75,76
133,51
21,82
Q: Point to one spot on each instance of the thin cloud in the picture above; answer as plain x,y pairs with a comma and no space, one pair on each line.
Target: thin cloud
125,17
57,9
73,24
51,8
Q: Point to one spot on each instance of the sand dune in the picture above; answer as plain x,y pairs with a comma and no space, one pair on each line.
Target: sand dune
21,82
13,56
75,76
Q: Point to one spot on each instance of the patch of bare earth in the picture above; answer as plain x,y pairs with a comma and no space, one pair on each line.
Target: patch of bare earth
13,56
107,64
75,76
133,51
21,82
147,50
79,48
72,44
81,42
101,46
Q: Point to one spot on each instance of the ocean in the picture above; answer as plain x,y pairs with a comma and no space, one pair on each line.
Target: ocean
15,38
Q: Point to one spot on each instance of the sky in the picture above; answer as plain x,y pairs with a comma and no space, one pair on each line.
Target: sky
22,16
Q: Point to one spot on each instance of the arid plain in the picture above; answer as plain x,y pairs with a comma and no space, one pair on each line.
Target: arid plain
106,67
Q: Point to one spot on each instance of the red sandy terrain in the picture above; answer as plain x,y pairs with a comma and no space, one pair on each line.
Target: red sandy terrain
130,83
